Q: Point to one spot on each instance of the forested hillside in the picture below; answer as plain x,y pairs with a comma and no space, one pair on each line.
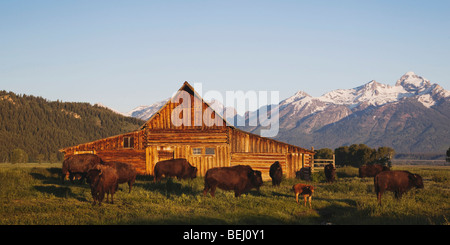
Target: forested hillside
34,129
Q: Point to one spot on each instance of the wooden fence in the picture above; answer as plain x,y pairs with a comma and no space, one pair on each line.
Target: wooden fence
319,164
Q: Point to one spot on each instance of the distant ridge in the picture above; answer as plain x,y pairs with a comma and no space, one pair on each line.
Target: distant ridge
40,127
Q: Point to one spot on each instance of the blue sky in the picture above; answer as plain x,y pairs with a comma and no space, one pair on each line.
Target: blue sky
130,53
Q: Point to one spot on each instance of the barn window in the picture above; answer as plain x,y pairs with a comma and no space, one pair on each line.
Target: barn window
196,151
128,142
210,151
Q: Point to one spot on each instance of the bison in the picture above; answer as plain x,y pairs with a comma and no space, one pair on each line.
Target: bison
78,165
330,173
102,179
240,178
305,190
396,181
276,173
304,174
179,168
126,173
371,170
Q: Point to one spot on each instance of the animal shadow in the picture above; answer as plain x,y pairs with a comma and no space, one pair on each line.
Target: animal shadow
170,187
47,175
62,192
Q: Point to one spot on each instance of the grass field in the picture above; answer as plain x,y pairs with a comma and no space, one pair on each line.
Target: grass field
31,194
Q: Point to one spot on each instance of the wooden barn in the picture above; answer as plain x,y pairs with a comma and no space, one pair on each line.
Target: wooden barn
204,143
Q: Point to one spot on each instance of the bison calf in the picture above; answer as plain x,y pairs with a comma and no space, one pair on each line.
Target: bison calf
240,178
396,181
102,179
179,168
305,190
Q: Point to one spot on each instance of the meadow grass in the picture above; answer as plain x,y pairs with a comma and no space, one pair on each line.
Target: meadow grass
32,194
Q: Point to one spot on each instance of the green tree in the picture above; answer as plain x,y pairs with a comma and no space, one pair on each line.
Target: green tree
361,154
342,156
324,153
384,155
357,155
19,156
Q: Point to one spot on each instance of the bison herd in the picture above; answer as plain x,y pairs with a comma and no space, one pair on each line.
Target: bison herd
104,177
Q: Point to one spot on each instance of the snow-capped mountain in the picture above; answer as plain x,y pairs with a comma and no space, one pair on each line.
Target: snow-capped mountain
146,111
412,115
374,93
344,102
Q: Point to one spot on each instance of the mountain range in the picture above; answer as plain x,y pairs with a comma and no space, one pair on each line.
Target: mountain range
411,116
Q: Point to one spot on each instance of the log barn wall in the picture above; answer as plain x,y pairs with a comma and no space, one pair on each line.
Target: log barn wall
260,153
113,149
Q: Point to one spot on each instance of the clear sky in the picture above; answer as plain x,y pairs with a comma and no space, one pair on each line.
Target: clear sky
130,53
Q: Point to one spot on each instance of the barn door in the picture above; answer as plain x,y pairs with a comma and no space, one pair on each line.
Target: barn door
165,153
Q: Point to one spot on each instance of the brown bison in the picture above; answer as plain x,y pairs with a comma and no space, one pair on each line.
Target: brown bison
240,179
303,174
396,181
102,179
78,165
179,168
371,170
276,173
330,173
126,173
305,190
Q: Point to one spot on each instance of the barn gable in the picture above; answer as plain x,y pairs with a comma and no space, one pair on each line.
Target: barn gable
185,110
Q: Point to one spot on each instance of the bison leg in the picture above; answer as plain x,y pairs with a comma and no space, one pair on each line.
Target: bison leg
379,193
296,197
398,194
101,196
304,197
112,197
157,178
309,199
205,191
213,191
63,177
95,199
130,185
71,177
94,196
236,193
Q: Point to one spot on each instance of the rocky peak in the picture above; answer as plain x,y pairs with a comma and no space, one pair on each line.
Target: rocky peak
413,83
